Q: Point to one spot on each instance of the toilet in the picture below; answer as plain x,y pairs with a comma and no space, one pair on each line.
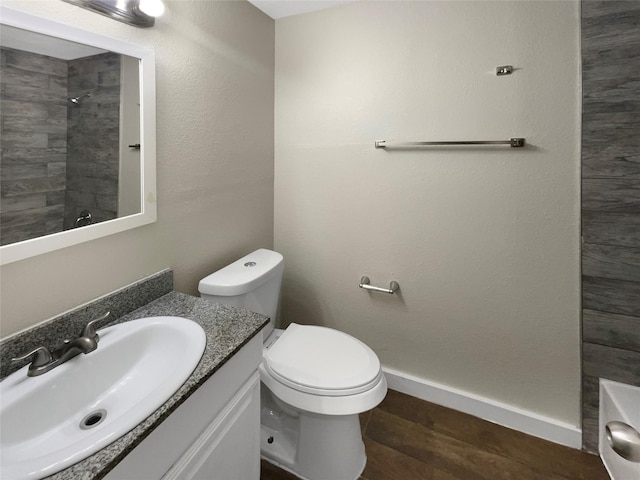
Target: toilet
314,380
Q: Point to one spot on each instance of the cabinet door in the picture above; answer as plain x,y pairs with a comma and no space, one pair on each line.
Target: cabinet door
229,448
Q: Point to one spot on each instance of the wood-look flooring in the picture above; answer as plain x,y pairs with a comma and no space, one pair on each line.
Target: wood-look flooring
409,439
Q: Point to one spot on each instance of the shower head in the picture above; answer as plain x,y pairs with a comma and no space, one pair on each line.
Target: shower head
76,100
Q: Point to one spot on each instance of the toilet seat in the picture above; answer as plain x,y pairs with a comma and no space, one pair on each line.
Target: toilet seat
322,361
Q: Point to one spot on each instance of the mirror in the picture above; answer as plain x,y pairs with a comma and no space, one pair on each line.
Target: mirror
78,136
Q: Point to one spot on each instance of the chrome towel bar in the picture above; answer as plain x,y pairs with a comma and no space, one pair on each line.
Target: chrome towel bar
512,142
365,283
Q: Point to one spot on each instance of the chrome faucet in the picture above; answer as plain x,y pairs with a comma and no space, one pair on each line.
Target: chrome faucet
44,360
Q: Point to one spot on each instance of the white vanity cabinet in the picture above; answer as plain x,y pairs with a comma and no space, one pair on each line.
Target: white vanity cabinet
213,435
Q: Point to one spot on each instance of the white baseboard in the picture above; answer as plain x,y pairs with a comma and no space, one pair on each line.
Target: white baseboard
485,408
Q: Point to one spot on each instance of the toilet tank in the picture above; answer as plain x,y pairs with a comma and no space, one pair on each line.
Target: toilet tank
252,282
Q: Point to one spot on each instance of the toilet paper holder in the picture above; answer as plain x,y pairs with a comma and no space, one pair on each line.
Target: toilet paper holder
366,284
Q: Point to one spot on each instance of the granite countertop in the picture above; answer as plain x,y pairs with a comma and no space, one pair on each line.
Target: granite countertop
227,330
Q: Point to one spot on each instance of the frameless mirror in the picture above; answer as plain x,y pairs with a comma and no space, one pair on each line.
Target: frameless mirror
77,157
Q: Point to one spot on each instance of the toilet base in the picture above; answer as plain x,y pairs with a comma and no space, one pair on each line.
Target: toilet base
311,446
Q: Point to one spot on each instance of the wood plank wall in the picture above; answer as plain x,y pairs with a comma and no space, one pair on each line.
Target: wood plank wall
610,201
93,150
33,127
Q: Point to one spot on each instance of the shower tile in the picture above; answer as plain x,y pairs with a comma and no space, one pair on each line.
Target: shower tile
78,85
614,330
611,90
613,296
109,78
24,109
53,226
57,111
57,140
19,233
22,202
602,8
105,163
78,198
108,202
29,217
622,229
28,155
21,172
608,261
611,363
32,185
56,169
34,124
55,197
33,62
58,86
615,161
16,139
15,76
602,134
613,28
611,194
96,186
609,63
27,93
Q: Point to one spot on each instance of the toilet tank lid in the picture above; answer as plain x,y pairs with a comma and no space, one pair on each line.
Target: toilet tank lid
243,275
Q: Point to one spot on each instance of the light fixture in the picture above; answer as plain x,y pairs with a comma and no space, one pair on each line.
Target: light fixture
139,13
153,8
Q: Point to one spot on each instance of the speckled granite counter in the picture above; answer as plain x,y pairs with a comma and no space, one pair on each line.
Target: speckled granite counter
227,330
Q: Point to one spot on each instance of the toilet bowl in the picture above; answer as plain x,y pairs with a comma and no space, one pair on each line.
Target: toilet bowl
315,380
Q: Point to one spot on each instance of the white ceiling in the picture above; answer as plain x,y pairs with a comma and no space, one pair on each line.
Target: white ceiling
44,45
285,8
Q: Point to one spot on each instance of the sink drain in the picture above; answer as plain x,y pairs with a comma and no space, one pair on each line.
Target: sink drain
93,419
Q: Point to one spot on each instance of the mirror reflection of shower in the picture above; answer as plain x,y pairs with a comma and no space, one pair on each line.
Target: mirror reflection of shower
90,99
77,100
93,139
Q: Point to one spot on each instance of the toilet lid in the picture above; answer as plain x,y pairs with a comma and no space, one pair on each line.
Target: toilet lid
309,357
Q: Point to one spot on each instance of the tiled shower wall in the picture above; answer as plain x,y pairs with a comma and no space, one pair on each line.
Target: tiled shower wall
93,148
58,158
610,201
33,107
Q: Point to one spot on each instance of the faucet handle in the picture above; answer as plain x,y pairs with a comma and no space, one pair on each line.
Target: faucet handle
41,356
89,329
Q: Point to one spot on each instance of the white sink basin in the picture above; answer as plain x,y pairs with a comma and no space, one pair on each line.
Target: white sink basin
52,421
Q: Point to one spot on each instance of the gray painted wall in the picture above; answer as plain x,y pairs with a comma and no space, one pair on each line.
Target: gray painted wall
33,115
610,201
484,242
